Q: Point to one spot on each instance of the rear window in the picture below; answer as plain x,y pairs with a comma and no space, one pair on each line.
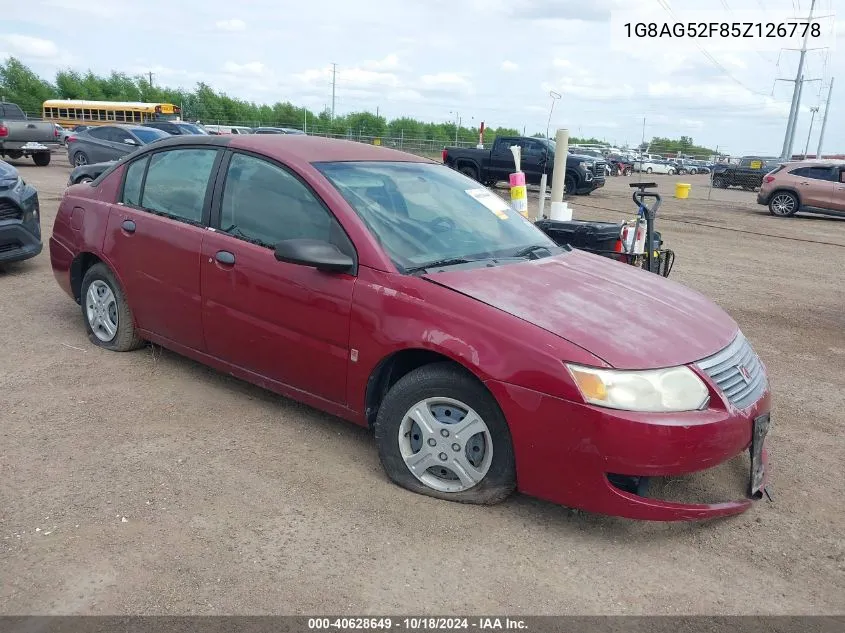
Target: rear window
149,134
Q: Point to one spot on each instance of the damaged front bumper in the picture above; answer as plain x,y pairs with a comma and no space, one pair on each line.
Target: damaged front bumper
600,460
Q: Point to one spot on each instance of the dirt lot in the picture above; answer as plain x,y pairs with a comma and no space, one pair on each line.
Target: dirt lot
146,483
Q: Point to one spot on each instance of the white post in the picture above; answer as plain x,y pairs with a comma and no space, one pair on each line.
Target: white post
559,209
559,175
305,129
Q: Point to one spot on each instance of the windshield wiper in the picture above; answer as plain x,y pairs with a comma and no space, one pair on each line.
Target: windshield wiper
441,263
534,249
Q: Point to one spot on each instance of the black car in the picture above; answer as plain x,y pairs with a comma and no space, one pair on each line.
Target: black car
176,127
20,218
88,173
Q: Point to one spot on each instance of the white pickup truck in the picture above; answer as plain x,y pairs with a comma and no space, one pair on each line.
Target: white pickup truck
20,136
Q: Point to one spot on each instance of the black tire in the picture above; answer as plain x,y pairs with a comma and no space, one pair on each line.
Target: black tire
80,158
445,380
627,171
469,171
784,204
83,179
671,172
719,183
569,186
41,159
648,170
126,339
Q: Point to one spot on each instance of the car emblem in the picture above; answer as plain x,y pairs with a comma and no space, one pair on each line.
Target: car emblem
743,371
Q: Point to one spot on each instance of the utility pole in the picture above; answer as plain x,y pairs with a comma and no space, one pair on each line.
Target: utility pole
824,120
334,81
813,111
151,78
786,152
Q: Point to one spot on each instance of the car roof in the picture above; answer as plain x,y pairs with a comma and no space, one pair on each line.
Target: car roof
296,148
817,162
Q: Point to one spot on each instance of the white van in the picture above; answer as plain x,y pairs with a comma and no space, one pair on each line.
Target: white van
227,129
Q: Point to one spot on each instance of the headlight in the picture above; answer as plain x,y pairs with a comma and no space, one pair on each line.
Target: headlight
653,390
583,164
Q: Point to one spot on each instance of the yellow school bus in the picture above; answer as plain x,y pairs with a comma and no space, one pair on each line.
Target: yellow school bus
70,112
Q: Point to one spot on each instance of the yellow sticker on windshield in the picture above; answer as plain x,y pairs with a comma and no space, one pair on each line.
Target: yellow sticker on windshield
494,203
756,164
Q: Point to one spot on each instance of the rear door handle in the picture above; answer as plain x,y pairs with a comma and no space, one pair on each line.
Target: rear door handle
128,226
225,257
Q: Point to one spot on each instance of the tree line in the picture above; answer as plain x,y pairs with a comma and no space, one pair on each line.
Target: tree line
20,85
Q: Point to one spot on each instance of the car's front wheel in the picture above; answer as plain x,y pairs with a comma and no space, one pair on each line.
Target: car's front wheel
440,433
107,316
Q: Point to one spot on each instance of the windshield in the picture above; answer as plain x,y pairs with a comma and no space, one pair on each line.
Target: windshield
149,134
423,213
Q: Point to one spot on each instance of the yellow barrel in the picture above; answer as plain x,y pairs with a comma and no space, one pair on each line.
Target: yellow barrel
682,190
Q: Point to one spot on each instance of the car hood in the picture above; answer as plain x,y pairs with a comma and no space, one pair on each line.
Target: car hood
629,318
8,172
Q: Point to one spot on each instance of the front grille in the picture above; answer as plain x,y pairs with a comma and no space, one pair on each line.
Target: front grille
724,369
599,169
10,211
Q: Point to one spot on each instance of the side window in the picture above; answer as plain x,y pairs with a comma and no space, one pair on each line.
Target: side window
117,135
842,175
266,204
801,172
132,182
820,173
177,181
101,133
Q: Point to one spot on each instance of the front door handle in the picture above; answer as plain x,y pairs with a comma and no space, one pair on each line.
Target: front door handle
225,257
128,226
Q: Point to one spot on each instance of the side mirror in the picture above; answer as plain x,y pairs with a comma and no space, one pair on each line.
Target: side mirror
130,141
315,253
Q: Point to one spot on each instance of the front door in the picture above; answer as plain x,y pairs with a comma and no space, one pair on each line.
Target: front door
285,322
154,239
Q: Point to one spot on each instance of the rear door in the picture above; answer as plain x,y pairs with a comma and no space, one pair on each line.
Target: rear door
154,240
94,143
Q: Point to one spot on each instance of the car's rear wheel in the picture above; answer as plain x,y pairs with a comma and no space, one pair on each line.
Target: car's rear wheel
469,170
106,313
784,204
719,183
41,159
440,433
79,159
648,170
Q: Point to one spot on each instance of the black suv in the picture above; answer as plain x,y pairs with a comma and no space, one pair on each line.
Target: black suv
175,127
20,221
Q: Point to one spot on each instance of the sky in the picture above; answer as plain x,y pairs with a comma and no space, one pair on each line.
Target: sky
475,60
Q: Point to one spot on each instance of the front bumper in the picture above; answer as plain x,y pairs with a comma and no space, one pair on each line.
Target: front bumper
565,451
20,237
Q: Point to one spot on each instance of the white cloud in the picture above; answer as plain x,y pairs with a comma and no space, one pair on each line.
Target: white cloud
391,62
445,80
233,24
250,68
29,47
509,66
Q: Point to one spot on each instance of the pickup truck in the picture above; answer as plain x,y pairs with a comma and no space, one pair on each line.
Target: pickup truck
20,136
748,174
584,174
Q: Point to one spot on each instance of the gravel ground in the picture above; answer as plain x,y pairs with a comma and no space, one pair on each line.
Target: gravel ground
145,483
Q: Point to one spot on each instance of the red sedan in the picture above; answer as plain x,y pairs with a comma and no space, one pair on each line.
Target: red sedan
396,293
